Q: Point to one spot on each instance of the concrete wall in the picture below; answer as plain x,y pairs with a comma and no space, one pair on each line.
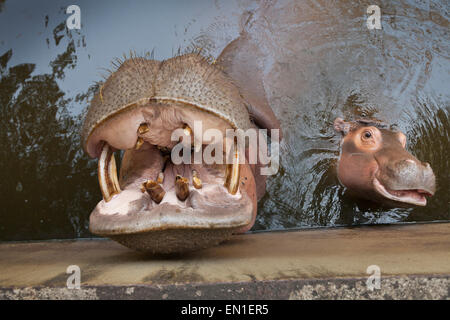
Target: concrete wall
414,261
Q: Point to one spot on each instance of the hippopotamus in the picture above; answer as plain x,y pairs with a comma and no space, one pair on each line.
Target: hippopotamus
375,165
154,204
278,71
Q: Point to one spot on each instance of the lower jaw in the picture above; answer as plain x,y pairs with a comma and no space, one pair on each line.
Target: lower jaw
402,198
205,218
168,228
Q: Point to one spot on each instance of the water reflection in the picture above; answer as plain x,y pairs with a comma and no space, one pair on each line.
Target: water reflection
320,63
47,182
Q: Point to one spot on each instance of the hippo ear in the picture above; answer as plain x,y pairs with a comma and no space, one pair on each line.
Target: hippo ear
239,60
341,126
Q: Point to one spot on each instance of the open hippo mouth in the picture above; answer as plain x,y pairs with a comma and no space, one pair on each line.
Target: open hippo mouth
415,197
375,165
157,204
400,177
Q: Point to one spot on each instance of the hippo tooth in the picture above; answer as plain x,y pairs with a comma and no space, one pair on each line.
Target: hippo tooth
107,173
196,142
155,190
160,178
139,143
232,174
181,187
143,128
187,130
196,181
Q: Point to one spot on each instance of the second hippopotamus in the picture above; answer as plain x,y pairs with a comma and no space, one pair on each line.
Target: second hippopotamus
375,165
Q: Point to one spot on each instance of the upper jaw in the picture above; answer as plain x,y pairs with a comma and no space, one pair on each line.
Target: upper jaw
407,196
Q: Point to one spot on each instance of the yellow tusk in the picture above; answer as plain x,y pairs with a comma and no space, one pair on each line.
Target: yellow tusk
139,143
143,128
160,178
181,187
107,173
196,181
232,174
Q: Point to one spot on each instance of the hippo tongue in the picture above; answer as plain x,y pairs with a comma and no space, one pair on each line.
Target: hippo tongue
412,194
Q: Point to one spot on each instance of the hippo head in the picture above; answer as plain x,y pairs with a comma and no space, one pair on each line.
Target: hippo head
375,165
155,204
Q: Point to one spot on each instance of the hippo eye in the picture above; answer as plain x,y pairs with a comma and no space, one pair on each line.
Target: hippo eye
367,134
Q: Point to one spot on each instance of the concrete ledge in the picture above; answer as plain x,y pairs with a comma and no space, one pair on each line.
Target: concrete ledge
327,263
403,287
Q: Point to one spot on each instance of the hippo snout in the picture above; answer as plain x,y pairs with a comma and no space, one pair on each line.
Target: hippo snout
409,174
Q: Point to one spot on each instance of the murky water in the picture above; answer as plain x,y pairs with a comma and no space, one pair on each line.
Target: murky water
320,62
